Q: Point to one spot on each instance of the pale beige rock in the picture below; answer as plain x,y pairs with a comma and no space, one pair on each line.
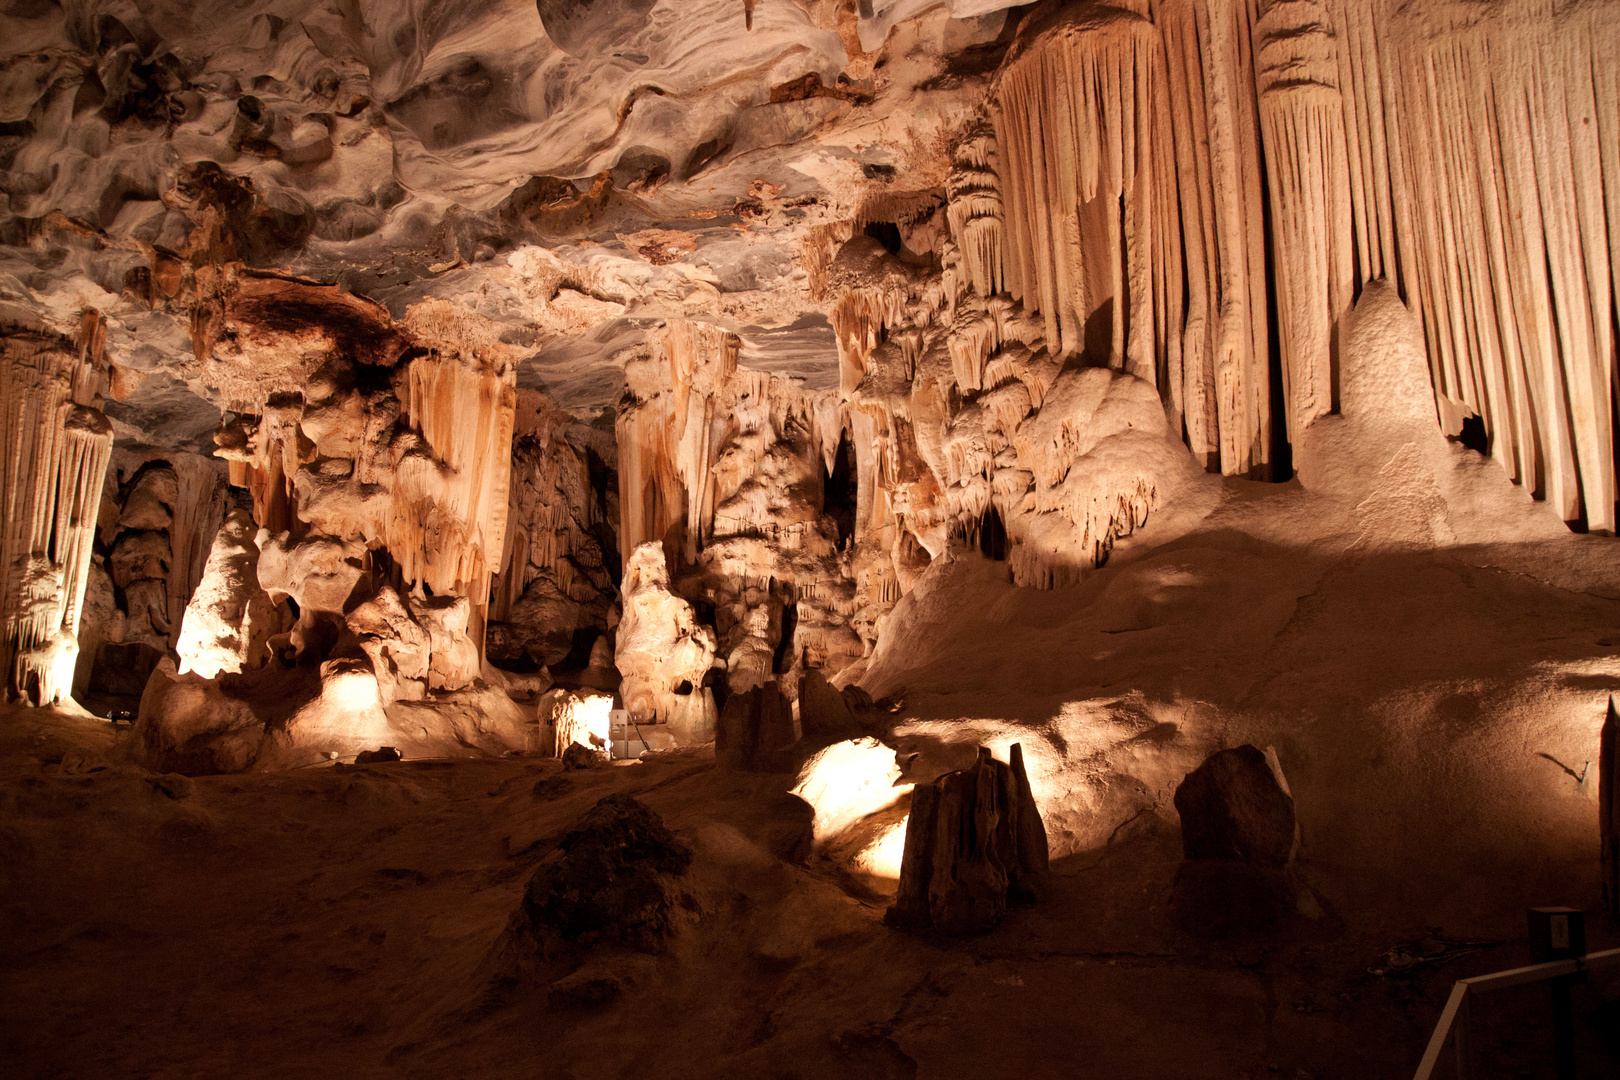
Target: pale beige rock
229,622
453,662
660,645
319,573
399,648
151,502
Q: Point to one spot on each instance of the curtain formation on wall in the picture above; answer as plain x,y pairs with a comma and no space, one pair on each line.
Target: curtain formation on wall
1172,171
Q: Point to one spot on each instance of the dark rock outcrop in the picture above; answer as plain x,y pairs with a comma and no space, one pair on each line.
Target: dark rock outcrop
609,881
1609,809
755,731
1234,807
974,841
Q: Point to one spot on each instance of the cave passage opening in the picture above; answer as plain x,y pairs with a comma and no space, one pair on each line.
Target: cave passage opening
838,492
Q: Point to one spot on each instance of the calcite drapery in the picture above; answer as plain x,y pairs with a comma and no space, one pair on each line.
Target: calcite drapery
56,446
727,466
1130,144
360,443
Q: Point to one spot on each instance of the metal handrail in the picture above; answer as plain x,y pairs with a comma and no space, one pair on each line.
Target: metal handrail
1454,1017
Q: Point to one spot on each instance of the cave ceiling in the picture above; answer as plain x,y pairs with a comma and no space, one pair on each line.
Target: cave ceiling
566,175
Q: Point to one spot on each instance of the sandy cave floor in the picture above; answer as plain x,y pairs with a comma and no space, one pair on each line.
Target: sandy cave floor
336,921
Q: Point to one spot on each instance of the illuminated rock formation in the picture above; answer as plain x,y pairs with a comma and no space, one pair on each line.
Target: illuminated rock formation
663,652
230,619
57,446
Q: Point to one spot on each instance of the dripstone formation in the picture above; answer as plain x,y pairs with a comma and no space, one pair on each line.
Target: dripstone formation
974,843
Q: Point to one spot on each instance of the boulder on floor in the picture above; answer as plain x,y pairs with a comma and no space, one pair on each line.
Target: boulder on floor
1236,806
969,850
609,881
1238,837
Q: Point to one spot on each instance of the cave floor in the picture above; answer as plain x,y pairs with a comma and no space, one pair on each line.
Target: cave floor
333,921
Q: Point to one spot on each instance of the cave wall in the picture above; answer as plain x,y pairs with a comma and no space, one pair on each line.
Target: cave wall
1059,287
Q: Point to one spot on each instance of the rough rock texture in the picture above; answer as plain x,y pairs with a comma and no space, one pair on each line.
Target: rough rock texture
871,316
823,711
230,619
610,881
399,648
968,850
1236,806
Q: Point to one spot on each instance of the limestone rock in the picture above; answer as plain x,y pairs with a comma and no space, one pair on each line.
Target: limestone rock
693,718
399,648
569,718
228,624
453,663
1235,806
101,621
150,503
660,646
966,853
345,717
319,573
846,782
611,880
146,615
140,556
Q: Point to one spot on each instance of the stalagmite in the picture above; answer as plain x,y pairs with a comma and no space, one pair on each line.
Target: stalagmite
230,619
662,650
967,852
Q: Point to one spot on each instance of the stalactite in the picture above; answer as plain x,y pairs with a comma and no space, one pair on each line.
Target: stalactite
1511,253
57,447
1222,346
1302,118
1074,116
973,195
447,528
666,433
